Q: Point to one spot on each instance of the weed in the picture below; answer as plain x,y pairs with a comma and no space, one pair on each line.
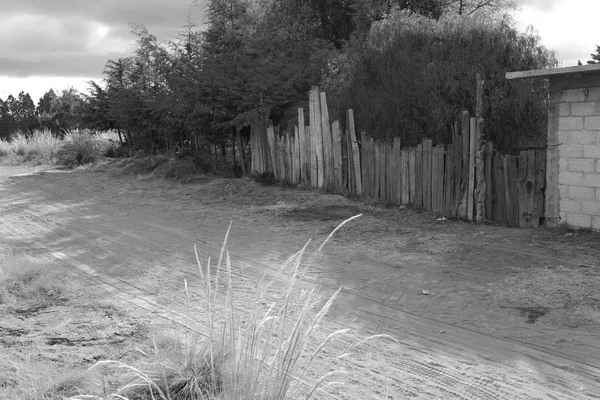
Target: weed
266,352
80,150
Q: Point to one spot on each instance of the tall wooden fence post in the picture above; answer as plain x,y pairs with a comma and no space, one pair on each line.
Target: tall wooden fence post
489,152
316,138
337,154
355,151
481,187
327,143
464,165
471,186
304,148
271,140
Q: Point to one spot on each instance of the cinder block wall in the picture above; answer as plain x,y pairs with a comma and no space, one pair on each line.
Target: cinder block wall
579,150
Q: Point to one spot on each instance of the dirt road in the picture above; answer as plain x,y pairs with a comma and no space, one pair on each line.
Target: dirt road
480,312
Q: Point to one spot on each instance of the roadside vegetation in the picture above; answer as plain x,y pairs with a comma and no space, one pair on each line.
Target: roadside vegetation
258,350
193,103
71,149
407,69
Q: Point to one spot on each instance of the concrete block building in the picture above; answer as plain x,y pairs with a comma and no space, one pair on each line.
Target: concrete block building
572,194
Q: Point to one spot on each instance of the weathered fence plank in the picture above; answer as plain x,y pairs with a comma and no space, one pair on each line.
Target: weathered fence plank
350,165
499,203
404,172
355,151
531,186
472,151
511,189
316,136
411,167
489,152
328,179
337,155
419,175
397,172
427,148
345,170
271,140
304,148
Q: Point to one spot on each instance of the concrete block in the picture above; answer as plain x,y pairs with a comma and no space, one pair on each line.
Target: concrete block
564,109
579,220
563,136
582,137
591,123
591,180
592,151
582,193
568,150
564,191
596,223
571,123
570,178
570,206
581,164
593,94
563,164
585,109
573,95
590,207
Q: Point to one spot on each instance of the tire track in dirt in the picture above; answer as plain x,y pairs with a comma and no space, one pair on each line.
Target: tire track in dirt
419,371
258,267
410,369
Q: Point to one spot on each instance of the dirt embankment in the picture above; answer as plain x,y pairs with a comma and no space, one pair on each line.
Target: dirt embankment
480,311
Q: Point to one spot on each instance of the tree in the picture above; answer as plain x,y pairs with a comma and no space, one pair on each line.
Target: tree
7,123
96,112
595,57
45,111
413,75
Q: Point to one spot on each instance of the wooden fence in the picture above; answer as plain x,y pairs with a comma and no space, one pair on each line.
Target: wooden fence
464,179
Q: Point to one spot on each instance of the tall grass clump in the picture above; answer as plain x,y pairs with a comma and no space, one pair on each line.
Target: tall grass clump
266,352
80,149
38,145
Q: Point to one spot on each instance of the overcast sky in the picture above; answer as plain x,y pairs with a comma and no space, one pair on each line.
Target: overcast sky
58,43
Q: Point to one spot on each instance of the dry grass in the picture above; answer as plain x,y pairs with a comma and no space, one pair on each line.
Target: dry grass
25,289
81,149
23,284
43,147
264,355
39,145
266,352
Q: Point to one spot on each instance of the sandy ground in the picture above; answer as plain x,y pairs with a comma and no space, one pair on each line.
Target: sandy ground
479,312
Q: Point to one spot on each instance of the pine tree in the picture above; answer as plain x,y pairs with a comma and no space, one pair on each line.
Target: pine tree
595,57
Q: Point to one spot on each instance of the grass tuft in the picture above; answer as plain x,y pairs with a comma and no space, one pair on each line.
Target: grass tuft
81,149
72,150
265,353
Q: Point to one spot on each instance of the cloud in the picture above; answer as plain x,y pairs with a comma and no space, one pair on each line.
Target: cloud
540,5
76,37
566,28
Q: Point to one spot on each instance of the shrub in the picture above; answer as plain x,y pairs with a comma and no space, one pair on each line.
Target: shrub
80,150
264,353
412,76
